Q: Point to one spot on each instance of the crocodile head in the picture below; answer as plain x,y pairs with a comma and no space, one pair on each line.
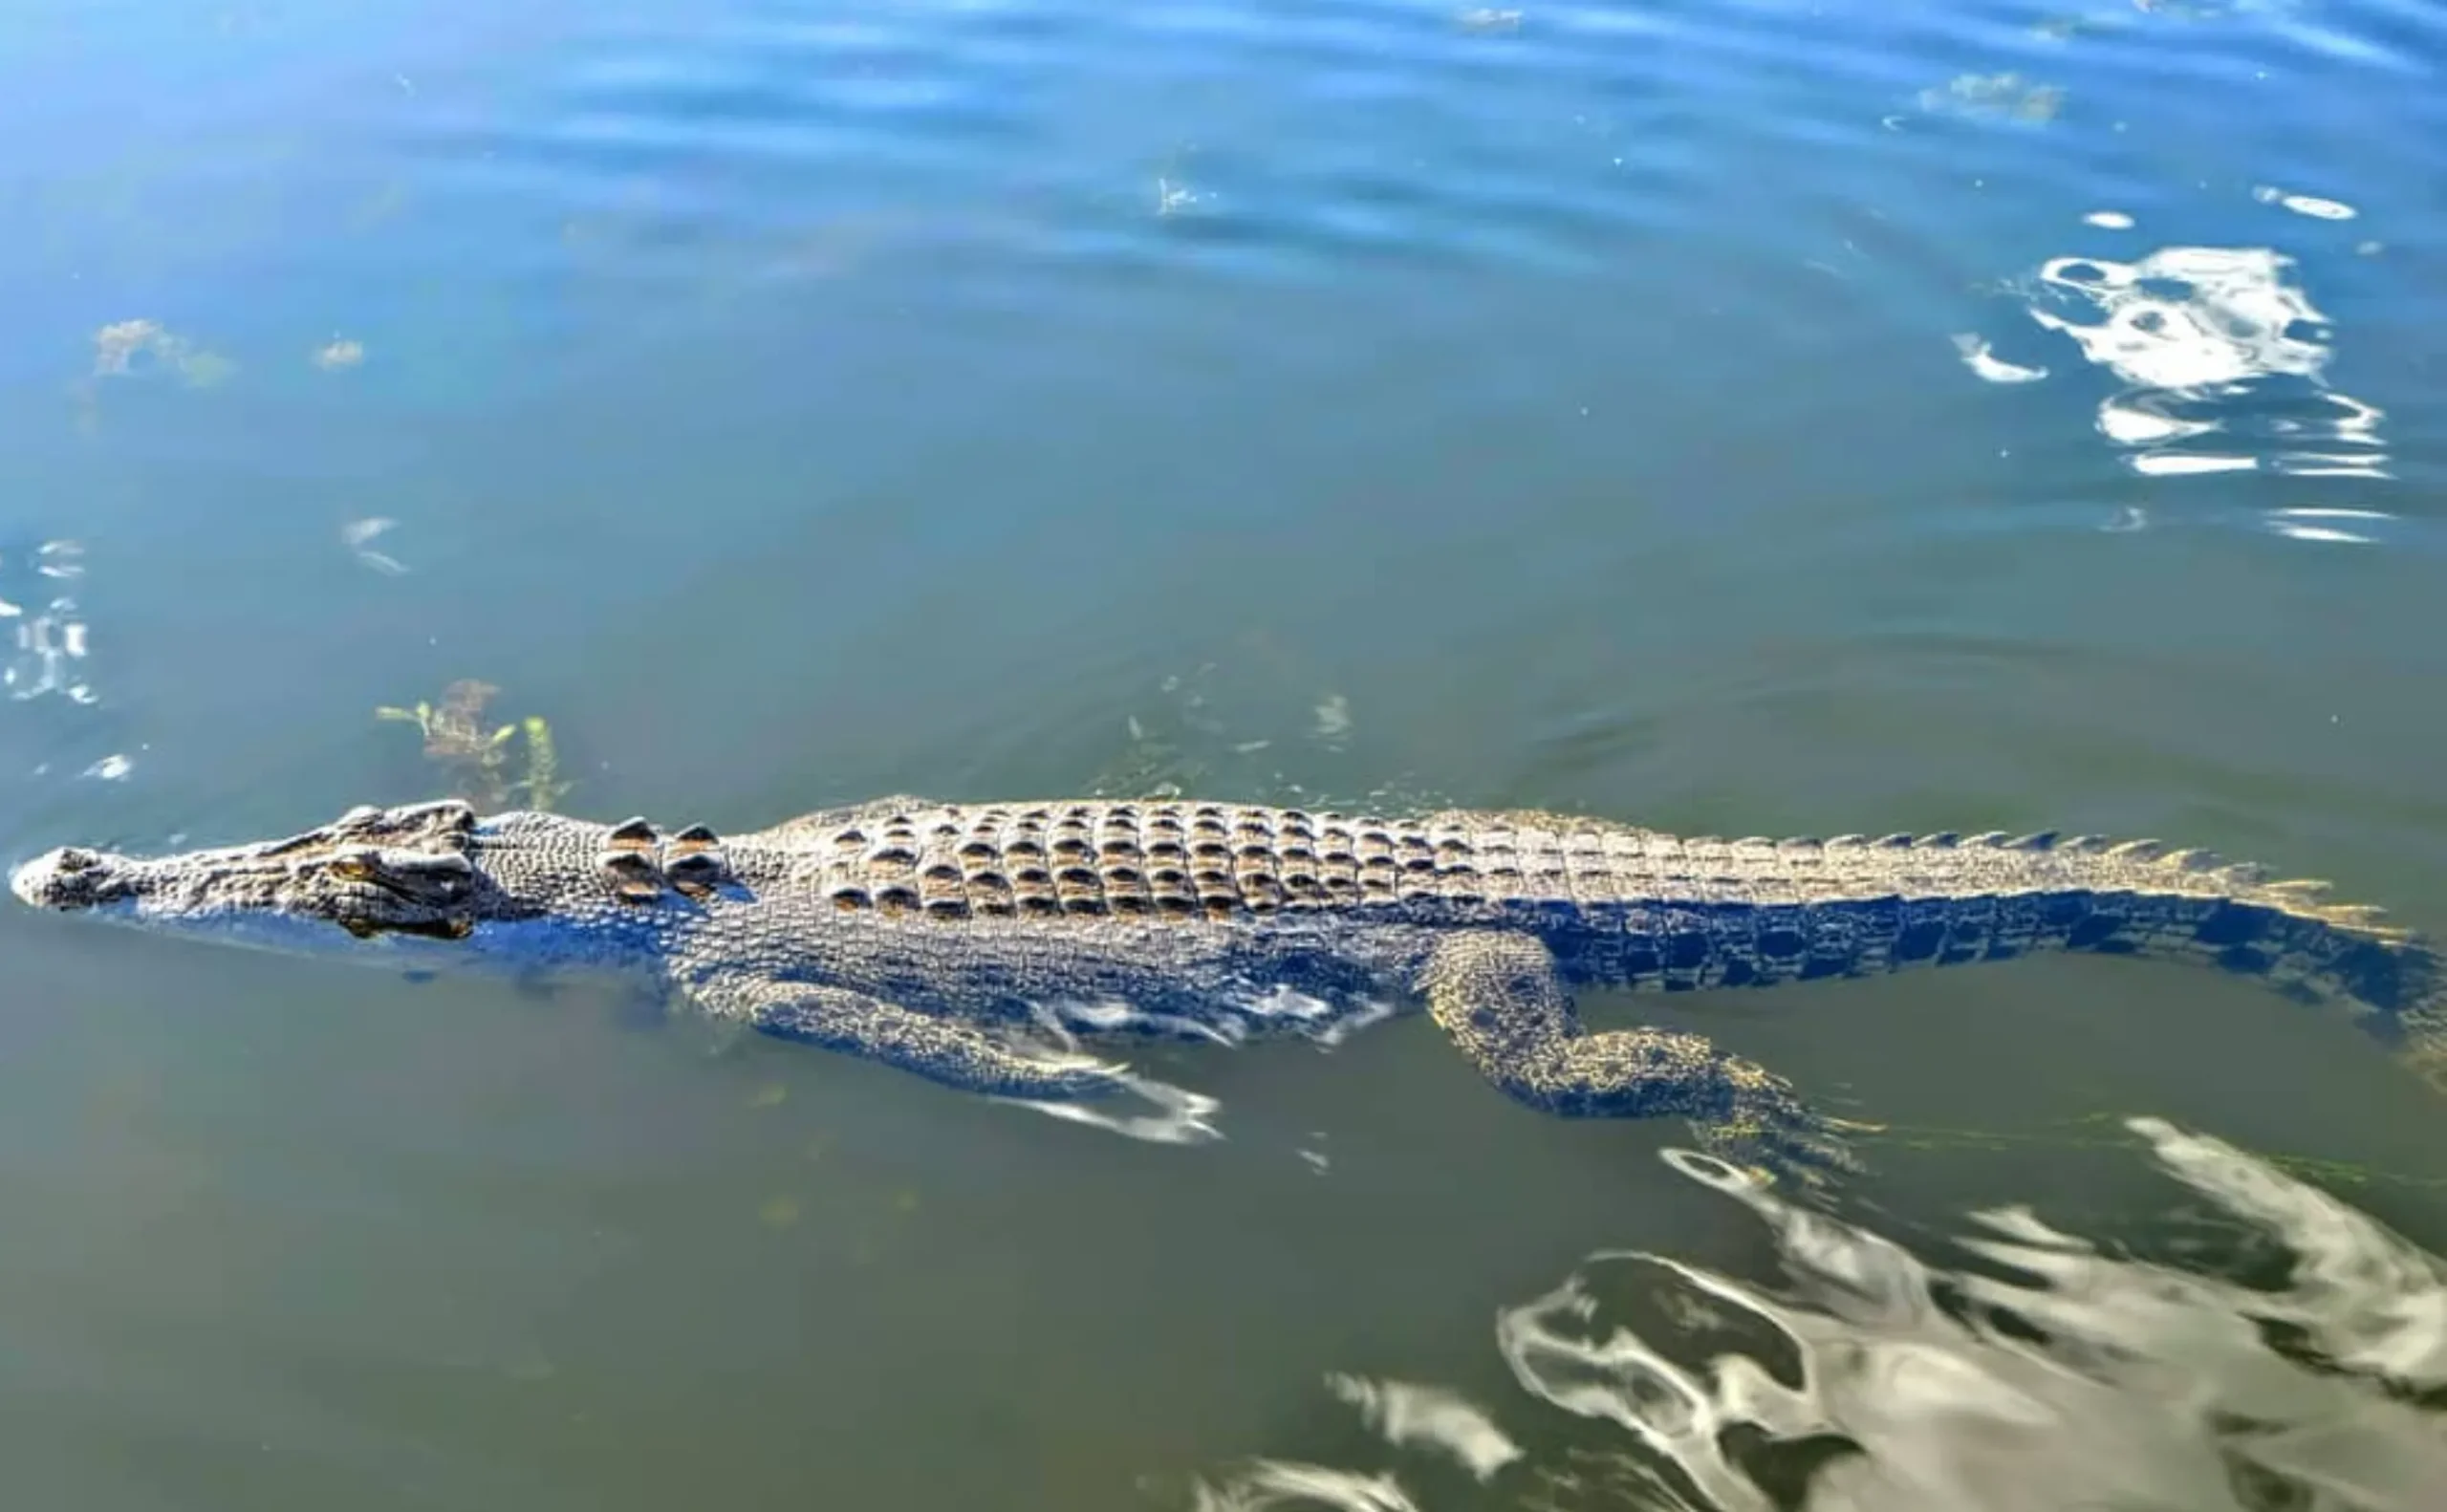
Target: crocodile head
406,873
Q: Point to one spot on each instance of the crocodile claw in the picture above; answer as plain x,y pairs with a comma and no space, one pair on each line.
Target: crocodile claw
1776,1137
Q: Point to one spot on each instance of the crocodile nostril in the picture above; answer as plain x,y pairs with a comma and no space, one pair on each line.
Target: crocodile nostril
72,859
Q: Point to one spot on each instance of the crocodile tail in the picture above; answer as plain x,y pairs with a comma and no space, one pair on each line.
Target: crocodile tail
2142,898
2392,981
1856,905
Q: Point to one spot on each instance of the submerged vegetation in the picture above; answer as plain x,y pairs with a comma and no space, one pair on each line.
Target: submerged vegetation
480,759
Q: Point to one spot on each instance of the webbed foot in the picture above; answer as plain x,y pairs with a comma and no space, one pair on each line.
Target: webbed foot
942,1050
1500,1000
1768,1131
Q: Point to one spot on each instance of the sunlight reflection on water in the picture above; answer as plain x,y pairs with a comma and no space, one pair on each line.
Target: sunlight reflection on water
2063,1372
2205,339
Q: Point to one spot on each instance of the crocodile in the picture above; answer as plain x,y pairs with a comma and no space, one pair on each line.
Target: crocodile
981,945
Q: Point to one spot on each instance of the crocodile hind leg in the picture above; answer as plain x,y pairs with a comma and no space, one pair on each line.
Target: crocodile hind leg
1498,997
942,1050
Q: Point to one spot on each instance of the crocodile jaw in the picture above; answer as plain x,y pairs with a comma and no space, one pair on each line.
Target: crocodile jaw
374,875
412,904
133,890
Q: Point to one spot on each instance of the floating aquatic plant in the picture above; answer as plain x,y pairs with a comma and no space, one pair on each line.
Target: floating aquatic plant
457,739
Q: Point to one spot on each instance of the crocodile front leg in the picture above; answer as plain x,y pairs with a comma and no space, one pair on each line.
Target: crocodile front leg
942,1050
1499,999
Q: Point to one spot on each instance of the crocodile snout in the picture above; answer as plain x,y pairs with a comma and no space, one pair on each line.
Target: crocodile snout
69,877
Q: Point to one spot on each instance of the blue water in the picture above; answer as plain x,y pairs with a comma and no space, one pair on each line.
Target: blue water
1742,419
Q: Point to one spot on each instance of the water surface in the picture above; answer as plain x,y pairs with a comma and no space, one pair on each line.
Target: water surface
1741,419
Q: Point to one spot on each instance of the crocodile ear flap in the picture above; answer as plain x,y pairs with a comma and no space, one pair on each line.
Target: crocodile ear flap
421,875
447,877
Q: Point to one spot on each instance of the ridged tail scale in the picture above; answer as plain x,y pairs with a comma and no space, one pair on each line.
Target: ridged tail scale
1703,912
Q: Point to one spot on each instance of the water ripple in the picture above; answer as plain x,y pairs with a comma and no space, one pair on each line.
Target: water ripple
1288,143
2076,1376
2051,1371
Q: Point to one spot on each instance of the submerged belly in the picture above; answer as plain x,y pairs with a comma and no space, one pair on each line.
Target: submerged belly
1229,1016
1228,984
